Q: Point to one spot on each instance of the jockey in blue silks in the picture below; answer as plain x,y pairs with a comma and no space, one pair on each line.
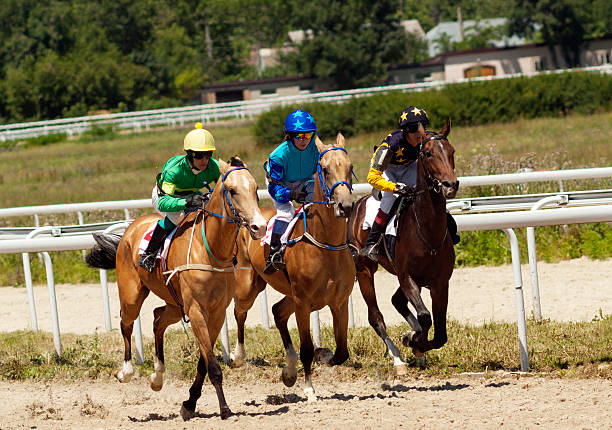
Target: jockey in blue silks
290,175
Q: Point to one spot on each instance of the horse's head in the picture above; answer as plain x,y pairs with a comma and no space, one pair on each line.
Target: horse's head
240,196
438,159
335,172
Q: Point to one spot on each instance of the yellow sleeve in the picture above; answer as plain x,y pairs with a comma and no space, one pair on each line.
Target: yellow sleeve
376,179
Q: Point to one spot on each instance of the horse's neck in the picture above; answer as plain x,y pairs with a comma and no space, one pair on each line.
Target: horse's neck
219,230
428,201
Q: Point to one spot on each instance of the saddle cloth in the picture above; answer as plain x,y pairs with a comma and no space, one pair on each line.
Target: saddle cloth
287,233
144,242
372,206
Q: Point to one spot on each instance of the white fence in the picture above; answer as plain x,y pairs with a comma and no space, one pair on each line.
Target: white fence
212,112
505,221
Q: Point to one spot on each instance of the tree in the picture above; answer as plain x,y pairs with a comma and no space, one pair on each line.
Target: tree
352,42
557,22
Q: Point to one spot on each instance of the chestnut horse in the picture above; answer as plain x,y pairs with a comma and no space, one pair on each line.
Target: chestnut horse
201,290
424,253
319,270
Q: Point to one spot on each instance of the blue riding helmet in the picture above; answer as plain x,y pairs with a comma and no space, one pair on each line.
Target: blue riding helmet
299,120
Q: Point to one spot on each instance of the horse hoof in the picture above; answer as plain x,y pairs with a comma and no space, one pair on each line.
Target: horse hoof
235,362
121,377
226,413
324,355
310,395
289,376
421,361
155,385
187,414
400,370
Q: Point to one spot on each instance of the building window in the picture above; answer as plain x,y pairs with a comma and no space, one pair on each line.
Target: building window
603,58
229,96
479,70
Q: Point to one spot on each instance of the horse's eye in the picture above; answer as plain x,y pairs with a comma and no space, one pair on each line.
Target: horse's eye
232,192
428,154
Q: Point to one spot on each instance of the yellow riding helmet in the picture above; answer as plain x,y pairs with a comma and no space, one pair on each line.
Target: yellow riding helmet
199,140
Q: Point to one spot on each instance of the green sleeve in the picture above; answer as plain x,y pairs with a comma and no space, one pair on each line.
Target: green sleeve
167,203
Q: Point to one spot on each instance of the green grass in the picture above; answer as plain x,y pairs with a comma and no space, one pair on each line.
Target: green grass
558,349
105,165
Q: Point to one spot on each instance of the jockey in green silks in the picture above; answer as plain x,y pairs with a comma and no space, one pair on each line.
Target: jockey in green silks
177,191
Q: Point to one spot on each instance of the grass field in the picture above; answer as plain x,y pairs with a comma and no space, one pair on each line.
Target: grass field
558,349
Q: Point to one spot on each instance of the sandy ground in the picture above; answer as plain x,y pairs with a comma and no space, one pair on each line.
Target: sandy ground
575,290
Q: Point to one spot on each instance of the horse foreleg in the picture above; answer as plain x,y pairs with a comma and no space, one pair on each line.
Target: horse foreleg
439,303
302,316
163,317
415,339
243,301
340,321
281,312
366,284
206,333
195,392
127,369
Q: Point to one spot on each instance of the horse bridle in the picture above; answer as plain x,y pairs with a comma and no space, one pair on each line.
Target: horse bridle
436,184
328,191
228,203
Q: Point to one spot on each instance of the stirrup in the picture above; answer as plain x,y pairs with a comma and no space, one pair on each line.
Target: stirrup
275,262
371,251
147,262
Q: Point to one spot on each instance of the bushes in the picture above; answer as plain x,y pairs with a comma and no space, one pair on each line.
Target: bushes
472,103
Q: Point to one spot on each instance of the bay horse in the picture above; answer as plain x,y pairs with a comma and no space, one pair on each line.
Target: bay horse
319,270
424,253
201,290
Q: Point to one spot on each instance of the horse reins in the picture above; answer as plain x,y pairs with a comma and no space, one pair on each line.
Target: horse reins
327,194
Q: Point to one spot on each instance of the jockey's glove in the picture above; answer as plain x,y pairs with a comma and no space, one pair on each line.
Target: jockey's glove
298,194
405,190
194,201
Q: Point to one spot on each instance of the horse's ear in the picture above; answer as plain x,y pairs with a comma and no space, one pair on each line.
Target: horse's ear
236,161
340,139
319,143
447,128
422,132
223,167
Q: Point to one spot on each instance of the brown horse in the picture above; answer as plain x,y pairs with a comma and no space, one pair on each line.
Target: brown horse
319,270
201,290
424,253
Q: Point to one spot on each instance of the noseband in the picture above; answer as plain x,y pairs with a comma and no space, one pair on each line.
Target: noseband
328,191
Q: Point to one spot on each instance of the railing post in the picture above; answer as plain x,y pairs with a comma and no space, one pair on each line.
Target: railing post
518,295
53,303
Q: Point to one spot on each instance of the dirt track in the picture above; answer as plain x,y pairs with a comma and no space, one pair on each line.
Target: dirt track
574,290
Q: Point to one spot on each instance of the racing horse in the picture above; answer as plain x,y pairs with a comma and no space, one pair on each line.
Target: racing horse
319,270
201,280
424,253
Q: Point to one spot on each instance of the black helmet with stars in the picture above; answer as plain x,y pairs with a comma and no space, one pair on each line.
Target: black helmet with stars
411,116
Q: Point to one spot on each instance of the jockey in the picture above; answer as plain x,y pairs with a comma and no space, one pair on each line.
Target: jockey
177,189
290,175
393,171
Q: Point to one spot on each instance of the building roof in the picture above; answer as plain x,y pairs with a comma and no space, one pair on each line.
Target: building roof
452,30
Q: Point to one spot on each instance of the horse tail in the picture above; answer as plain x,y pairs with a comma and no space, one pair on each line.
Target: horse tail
104,253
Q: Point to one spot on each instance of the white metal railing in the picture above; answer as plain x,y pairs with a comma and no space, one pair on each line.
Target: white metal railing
495,221
212,112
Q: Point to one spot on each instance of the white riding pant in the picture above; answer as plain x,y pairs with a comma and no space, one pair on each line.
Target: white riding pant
175,217
405,174
285,211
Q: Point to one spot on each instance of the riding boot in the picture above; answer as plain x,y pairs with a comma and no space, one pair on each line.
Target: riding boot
275,261
370,249
452,228
149,256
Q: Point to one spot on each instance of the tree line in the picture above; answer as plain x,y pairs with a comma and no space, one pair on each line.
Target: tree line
63,58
